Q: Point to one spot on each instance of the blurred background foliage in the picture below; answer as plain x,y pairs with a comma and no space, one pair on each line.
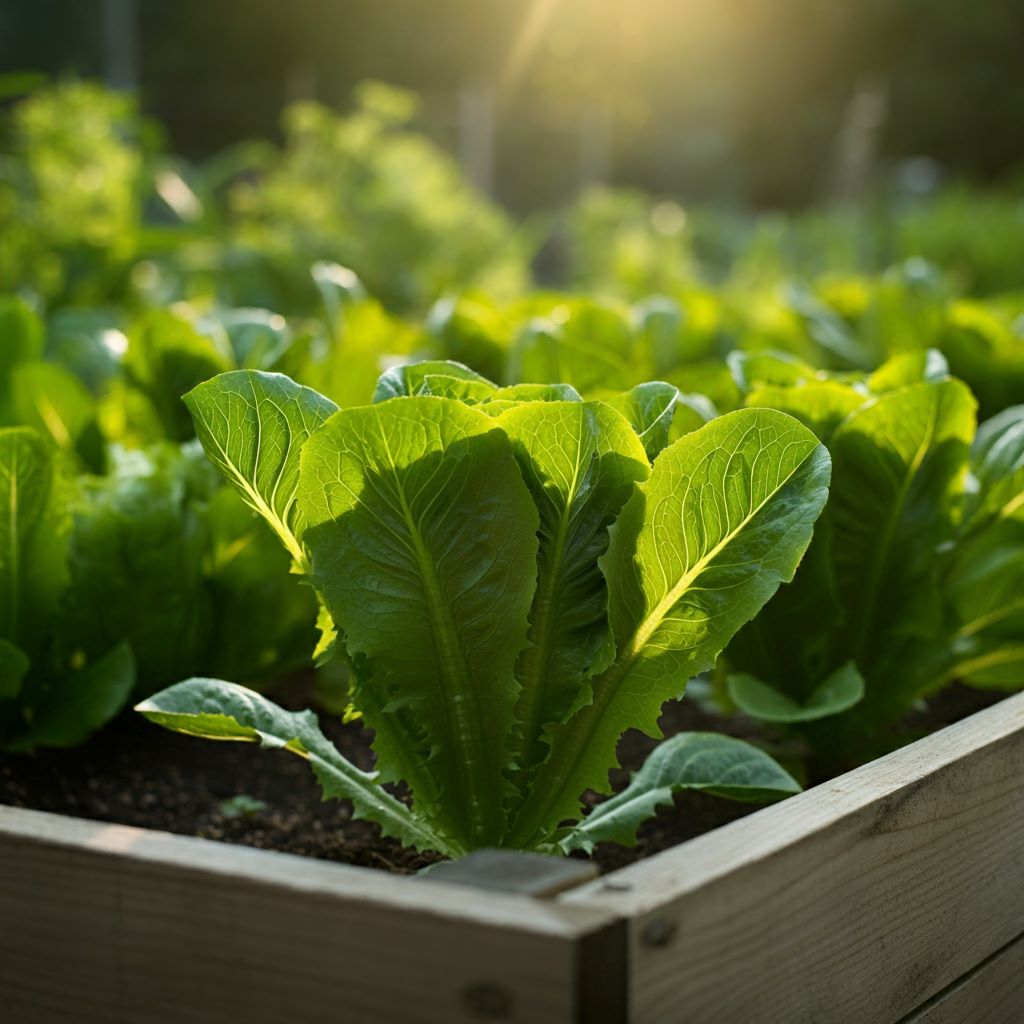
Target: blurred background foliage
754,201
732,100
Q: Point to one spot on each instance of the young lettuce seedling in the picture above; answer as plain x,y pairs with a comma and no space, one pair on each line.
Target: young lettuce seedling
513,586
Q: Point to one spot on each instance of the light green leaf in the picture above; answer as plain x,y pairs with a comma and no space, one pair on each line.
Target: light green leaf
339,288
839,692
258,337
225,711
253,426
789,643
821,405
649,408
261,615
472,392
580,461
45,396
471,330
409,378
66,711
827,329
704,761
537,393
697,551
692,411
549,351
422,539
167,356
908,368
21,339
752,370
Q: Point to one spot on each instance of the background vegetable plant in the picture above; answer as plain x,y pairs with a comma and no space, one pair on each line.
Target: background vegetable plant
910,582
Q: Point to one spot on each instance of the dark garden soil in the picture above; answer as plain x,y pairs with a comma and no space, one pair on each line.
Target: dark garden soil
134,773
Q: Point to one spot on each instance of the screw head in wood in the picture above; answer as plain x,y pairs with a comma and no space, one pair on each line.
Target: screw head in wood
659,932
487,1001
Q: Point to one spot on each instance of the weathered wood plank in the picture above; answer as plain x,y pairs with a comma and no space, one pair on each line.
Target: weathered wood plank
103,923
856,901
992,993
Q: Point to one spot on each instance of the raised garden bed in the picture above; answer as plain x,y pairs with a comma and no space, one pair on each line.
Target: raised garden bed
892,893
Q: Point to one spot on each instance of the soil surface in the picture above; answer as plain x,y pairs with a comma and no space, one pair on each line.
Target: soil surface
135,773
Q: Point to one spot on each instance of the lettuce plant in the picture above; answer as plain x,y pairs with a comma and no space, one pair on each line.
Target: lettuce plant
131,579
914,575
513,586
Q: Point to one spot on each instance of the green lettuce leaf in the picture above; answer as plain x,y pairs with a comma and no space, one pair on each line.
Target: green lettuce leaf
704,761
650,409
821,405
997,461
899,466
423,546
580,461
908,368
167,356
54,402
697,551
28,579
253,426
135,563
838,693
225,711
14,666
65,711
409,378
985,594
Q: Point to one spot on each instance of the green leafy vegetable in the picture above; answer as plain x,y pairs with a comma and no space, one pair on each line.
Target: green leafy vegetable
513,588
839,692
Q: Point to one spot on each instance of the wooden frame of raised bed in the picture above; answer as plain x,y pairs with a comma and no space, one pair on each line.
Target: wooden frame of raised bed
894,893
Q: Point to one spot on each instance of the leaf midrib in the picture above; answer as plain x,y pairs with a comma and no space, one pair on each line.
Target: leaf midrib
535,682
461,708
284,534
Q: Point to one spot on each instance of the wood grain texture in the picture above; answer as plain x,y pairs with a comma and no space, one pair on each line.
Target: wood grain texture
104,923
992,993
854,902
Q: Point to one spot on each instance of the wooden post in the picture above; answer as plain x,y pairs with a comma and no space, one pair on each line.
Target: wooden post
594,147
476,135
120,44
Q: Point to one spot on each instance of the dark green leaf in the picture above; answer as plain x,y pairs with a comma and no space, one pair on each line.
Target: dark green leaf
422,539
839,692
225,711
704,761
